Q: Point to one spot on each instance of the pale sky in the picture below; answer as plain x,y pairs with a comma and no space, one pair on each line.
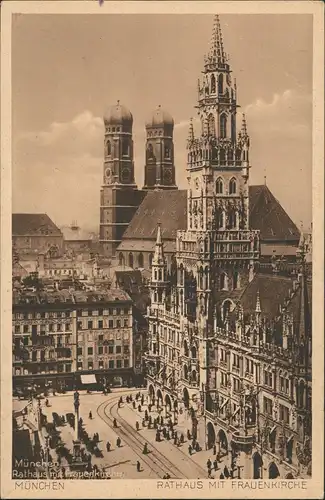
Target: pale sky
67,68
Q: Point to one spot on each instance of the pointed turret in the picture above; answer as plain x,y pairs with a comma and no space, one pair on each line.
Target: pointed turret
258,309
243,131
216,54
158,258
190,132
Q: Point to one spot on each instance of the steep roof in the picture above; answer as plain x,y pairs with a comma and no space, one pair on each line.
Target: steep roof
170,208
272,292
267,215
34,225
167,207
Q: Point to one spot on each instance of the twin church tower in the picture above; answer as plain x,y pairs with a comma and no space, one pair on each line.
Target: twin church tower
120,197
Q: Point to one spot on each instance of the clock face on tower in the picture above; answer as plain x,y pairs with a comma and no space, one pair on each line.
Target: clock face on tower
125,174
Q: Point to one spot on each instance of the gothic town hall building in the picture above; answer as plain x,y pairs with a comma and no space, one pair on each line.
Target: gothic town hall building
230,335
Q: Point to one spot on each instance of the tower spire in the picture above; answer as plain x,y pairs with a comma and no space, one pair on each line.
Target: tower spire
244,126
159,248
258,303
216,53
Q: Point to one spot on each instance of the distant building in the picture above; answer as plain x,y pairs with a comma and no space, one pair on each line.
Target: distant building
62,335
36,233
77,240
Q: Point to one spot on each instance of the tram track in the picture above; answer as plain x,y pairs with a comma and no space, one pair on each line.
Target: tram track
155,460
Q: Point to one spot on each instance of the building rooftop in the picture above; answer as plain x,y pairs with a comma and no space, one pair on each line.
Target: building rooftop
170,208
72,296
34,225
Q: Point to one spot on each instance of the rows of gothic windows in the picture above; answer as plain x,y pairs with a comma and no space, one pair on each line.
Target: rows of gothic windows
131,260
232,220
220,186
213,84
125,148
227,282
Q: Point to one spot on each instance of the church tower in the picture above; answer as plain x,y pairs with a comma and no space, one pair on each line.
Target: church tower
159,170
118,200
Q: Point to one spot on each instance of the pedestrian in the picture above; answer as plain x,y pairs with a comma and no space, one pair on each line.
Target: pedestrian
142,400
161,421
127,399
118,442
114,423
226,472
222,476
145,449
139,408
209,464
137,426
149,408
190,449
188,435
90,415
138,466
214,449
108,446
143,422
146,416
167,435
197,447
150,420
182,438
215,464
158,436
133,404
175,439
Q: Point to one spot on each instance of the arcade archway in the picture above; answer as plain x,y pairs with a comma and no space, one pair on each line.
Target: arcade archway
186,397
211,435
257,466
168,403
159,398
151,392
222,438
273,471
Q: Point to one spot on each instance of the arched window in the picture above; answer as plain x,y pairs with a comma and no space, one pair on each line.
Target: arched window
219,186
220,84
256,244
238,155
181,275
186,349
125,148
226,309
230,156
233,127
150,259
140,260
167,152
211,125
232,186
223,281
223,126
220,219
236,280
108,148
232,219
213,84
193,352
121,259
130,259
194,376
222,156
150,152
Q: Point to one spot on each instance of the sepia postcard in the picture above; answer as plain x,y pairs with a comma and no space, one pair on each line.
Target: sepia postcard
162,228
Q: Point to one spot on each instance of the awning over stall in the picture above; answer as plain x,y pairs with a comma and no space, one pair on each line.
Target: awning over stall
88,379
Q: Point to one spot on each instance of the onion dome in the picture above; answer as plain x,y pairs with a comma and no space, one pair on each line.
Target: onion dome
118,115
160,118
